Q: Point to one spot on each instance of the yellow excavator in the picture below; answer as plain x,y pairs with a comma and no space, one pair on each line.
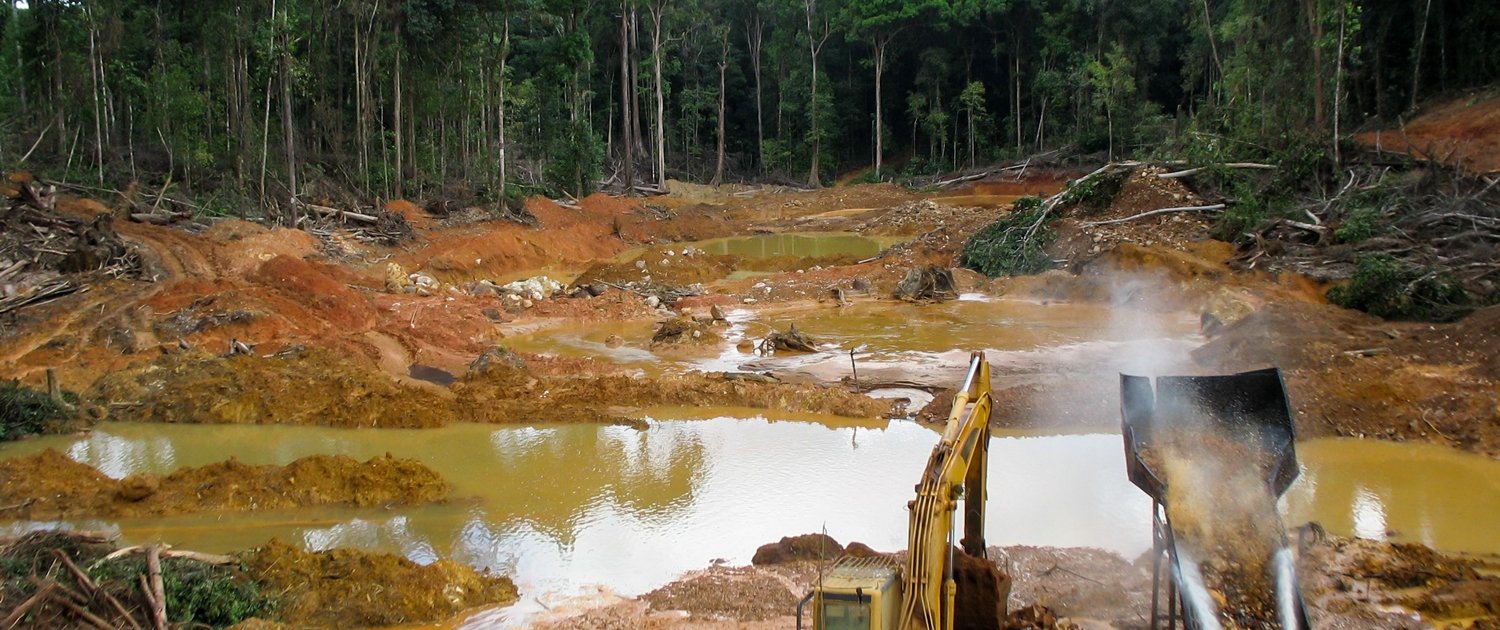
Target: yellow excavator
876,594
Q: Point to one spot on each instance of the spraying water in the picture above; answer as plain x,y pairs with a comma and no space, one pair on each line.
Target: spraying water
1286,587
1195,593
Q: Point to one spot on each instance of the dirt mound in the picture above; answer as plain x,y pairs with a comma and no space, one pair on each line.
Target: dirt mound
660,266
511,396
1364,583
343,588
314,285
1355,375
49,485
310,387
247,245
1464,132
811,547
738,593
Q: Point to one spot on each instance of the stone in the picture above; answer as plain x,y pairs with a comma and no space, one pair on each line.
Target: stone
139,486
652,301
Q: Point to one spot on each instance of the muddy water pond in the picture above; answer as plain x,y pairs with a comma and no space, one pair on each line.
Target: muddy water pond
1020,335
802,245
566,509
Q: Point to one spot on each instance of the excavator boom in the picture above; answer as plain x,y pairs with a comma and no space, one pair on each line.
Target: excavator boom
872,594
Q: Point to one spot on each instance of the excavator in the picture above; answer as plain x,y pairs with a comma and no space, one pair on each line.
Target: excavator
865,593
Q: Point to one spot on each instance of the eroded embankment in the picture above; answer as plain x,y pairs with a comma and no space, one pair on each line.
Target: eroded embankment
314,387
49,485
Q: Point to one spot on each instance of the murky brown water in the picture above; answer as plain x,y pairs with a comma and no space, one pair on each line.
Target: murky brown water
898,339
565,509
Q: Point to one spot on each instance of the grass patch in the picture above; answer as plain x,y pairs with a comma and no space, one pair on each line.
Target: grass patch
1001,248
1393,289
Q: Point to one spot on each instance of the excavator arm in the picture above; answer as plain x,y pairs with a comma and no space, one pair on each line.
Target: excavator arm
957,468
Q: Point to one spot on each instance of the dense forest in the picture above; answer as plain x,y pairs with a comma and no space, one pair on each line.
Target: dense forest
241,105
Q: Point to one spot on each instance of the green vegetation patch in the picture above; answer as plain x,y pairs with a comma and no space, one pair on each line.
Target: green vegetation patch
1003,249
1390,288
25,411
198,594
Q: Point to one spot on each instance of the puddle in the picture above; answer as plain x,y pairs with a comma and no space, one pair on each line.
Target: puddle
430,374
568,509
803,245
977,201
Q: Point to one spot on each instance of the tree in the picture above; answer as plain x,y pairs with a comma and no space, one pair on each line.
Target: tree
880,22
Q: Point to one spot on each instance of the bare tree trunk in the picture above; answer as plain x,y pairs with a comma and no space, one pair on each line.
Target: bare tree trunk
661,105
754,32
94,68
504,53
400,171
1338,84
1315,32
814,46
15,21
627,145
287,126
1213,46
1416,64
880,48
723,68
265,127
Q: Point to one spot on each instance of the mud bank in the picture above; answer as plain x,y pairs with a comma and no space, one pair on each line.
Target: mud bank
349,588
1348,583
49,485
314,387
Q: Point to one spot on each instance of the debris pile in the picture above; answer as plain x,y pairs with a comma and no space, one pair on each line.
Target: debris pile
929,284
45,254
792,340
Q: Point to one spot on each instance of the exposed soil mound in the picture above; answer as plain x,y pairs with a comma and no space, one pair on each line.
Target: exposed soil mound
1463,132
1394,380
513,396
1364,583
811,547
656,266
683,330
348,588
309,387
49,485
738,593
248,245
314,286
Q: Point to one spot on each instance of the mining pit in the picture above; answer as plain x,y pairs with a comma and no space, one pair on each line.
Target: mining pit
492,400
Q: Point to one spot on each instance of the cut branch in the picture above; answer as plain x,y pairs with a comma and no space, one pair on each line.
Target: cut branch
1213,208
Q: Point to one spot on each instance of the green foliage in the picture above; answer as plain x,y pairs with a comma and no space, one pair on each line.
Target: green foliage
1003,249
1364,222
25,411
1391,288
197,593
1094,195
1249,210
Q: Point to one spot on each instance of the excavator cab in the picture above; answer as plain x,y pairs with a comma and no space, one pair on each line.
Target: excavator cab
857,594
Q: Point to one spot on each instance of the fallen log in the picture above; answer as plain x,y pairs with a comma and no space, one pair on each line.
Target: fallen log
1212,208
335,212
959,180
158,591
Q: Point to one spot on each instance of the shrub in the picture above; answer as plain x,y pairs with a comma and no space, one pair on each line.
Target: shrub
1001,248
25,411
1390,288
1363,223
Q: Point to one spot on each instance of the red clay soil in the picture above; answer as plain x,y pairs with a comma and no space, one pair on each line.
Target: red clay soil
491,249
49,485
1464,133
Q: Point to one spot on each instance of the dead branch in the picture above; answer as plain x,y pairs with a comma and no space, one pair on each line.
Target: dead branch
15,616
959,180
93,589
1212,208
1200,169
158,591
342,214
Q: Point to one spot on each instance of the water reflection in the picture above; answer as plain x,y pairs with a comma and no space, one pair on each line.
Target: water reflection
566,508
